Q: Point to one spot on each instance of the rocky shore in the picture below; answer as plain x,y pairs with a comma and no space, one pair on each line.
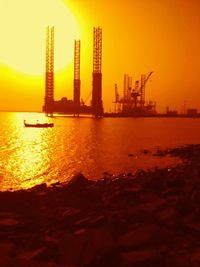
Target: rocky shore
151,218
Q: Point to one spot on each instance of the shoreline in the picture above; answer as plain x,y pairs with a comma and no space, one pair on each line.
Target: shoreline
151,218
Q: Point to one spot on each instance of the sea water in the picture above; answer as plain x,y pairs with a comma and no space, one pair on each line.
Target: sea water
31,156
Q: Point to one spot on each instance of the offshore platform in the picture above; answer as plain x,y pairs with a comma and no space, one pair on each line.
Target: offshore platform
133,102
75,106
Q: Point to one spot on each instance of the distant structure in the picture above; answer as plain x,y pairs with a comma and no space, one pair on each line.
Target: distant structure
127,91
64,105
142,88
192,112
133,102
77,82
97,105
48,107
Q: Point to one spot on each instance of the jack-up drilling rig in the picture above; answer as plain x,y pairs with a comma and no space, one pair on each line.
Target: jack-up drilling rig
133,102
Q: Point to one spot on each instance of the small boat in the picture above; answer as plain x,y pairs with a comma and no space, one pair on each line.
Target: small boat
38,125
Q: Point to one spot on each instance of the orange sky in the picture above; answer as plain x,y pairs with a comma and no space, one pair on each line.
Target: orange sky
138,37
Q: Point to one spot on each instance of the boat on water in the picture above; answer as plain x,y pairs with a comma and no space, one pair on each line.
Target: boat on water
38,125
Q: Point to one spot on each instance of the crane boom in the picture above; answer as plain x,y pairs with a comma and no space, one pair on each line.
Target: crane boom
116,94
148,77
144,80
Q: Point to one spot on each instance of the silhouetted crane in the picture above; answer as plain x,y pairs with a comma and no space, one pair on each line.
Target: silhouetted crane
83,102
116,94
144,81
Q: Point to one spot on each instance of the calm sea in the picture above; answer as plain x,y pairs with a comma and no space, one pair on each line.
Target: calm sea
31,156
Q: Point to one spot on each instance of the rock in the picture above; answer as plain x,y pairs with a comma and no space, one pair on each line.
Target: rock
110,259
25,263
195,258
91,221
77,182
175,183
166,214
160,153
69,212
140,236
40,187
84,246
153,200
194,226
79,194
30,254
48,254
8,221
137,257
138,213
121,198
146,151
182,260
6,250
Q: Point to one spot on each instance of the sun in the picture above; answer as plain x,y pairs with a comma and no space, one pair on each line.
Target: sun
23,26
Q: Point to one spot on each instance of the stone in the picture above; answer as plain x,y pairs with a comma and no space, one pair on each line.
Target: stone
68,212
6,250
84,246
91,221
195,258
40,187
166,213
146,151
77,182
139,256
8,221
140,236
30,254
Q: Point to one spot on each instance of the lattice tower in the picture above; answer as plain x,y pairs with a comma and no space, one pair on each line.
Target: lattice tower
142,93
97,105
77,46
49,86
97,50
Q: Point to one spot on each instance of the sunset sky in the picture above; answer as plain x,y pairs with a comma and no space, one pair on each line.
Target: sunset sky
139,36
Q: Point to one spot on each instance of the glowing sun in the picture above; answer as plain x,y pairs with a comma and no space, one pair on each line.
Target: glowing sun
23,31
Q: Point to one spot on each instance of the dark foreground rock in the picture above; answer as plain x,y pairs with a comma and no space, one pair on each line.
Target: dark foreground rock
149,219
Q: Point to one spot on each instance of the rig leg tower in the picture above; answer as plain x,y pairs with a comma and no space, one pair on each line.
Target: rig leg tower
77,82
49,83
142,90
97,105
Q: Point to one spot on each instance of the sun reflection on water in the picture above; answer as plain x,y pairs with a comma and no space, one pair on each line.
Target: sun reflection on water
28,156
31,156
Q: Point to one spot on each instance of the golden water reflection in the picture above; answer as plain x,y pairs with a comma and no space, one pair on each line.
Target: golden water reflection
31,156
28,155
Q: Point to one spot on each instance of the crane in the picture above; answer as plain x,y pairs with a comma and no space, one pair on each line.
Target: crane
116,94
118,101
148,77
144,80
83,102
